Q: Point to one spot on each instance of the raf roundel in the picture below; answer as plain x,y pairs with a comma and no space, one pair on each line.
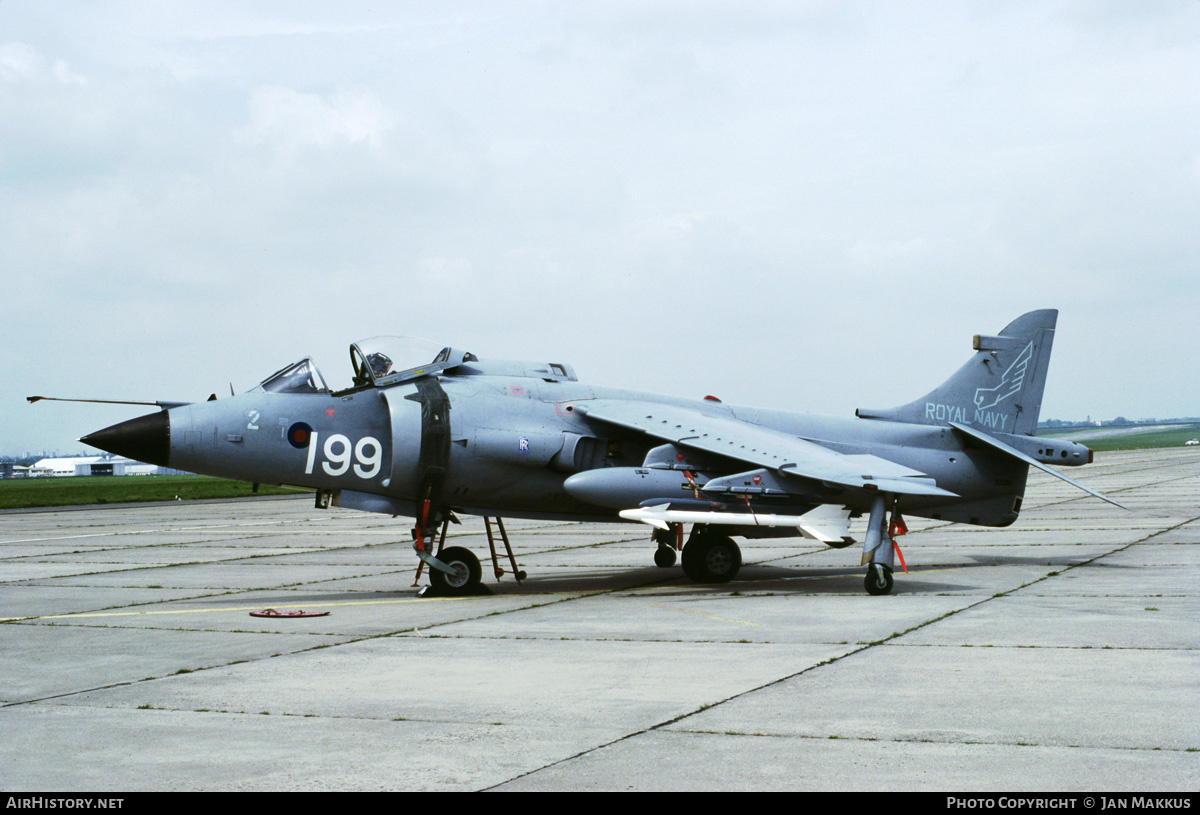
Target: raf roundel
299,435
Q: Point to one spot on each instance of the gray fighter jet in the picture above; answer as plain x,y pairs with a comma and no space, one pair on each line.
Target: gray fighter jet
429,432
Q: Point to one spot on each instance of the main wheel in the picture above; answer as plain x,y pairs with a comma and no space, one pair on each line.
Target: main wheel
711,558
467,571
878,580
664,557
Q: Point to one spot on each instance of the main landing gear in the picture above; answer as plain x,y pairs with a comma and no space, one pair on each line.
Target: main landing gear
708,556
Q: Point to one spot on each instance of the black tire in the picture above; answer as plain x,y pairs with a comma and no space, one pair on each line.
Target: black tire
467,576
711,558
878,581
664,557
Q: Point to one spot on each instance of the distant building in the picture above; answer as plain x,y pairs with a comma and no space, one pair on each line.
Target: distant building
96,465
59,467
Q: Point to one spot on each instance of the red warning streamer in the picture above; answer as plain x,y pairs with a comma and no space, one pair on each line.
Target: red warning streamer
895,529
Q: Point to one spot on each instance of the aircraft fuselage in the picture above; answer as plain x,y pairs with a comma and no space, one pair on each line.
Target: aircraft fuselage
508,444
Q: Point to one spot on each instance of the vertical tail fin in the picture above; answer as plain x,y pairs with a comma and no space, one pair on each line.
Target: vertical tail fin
999,389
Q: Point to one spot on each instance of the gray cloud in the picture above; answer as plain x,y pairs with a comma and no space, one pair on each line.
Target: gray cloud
809,205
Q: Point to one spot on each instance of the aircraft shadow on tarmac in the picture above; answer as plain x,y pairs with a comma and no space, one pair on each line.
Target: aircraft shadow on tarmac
830,581
1064,562
753,578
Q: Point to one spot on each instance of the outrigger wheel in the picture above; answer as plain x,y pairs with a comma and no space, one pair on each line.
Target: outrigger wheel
467,572
878,580
666,554
709,557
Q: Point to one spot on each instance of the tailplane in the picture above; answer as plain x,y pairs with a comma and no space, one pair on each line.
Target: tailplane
998,390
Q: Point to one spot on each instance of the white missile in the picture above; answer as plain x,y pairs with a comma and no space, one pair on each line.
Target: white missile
827,523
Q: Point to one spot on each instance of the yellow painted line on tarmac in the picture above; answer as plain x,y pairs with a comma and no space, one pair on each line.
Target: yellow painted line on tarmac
222,609
702,614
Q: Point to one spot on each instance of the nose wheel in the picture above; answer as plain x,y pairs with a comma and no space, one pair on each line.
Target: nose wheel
464,575
455,571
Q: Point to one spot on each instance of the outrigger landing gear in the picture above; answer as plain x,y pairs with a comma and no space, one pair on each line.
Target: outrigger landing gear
668,541
878,580
710,557
879,550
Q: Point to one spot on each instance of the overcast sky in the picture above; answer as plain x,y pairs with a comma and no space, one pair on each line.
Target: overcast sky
799,205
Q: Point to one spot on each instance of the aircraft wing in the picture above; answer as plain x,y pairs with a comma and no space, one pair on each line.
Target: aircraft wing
761,447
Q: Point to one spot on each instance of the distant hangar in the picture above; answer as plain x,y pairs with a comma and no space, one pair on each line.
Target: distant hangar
93,465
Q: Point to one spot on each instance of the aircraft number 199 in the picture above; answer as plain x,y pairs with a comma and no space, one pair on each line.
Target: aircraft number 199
337,450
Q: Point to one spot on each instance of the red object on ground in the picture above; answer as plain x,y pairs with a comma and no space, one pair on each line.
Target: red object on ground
270,612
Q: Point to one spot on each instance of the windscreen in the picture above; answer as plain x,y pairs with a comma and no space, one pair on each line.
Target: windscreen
302,377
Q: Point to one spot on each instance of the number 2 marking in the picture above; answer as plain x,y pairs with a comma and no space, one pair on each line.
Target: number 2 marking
251,425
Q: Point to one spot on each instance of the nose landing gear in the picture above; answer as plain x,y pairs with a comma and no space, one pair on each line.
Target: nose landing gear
455,571
464,575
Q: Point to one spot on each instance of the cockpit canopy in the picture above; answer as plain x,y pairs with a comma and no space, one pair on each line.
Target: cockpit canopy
299,377
378,361
388,360
384,361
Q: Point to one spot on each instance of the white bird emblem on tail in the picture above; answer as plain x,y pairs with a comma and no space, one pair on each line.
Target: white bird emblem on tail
1010,382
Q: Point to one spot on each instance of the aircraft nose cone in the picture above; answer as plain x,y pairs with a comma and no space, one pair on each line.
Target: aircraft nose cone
146,438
